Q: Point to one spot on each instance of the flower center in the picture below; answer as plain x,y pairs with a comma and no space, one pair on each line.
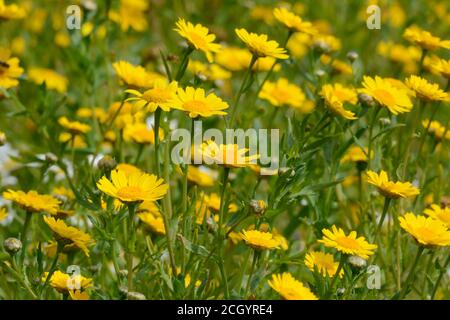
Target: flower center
197,40
129,192
347,243
385,97
194,105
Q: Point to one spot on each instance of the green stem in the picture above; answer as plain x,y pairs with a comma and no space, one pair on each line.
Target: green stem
411,273
157,119
252,270
23,236
184,64
52,270
336,275
387,201
130,244
372,124
226,172
441,274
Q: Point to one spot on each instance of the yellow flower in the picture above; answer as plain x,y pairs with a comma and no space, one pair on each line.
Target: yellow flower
78,141
283,93
160,96
298,44
201,209
290,288
136,76
134,187
62,191
227,155
96,113
195,103
33,201
425,39
263,13
397,53
337,66
237,59
396,100
156,224
78,295
127,168
149,207
436,129
324,262
335,96
64,282
11,12
198,37
74,127
425,90
260,46
391,189
326,43
211,72
3,213
260,240
140,133
441,214
51,79
9,69
213,203
347,244
293,22
131,14
200,177
69,235
442,67
355,154
427,231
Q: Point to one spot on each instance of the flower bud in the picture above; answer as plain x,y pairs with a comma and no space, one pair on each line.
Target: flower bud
50,158
320,73
352,56
366,100
258,207
12,245
357,262
135,296
321,46
107,163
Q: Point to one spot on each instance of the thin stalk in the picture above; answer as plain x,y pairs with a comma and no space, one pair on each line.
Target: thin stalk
387,201
157,119
183,64
252,270
130,244
441,274
336,275
411,273
372,124
226,172
23,236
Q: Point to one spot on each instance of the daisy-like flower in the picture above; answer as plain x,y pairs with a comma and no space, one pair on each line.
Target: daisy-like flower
337,66
227,155
11,12
134,187
160,96
425,90
64,282
335,96
136,76
76,140
326,43
391,189
436,129
211,72
78,295
69,236
196,103
282,93
347,244
238,59
442,67
290,288
425,39
198,37
127,168
32,201
441,214
395,99
260,46
355,154
3,213
199,177
259,240
74,127
131,14
9,69
324,262
154,223
52,80
293,22
213,203
426,231
140,133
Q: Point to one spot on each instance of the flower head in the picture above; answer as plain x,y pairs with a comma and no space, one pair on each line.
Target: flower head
227,155
283,93
136,76
64,282
51,79
32,201
198,37
324,262
11,12
196,103
355,154
131,14
426,231
140,133
293,22
200,177
436,129
260,46
335,96
3,213
259,240
70,236
387,95
425,39
154,223
391,189
347,244
160,95
439,213
290,288
425,90
134,187
9,69
74,127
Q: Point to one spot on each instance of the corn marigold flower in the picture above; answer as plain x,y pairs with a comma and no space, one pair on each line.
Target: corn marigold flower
324,262
442,67
425,90
213,203
407,56
441,214
260,46
335,96
259,240
283,93
356,154
337,66
426,231
51,79
74,127
127,168
131,14
11,12
396,100
3,213
290,288
154,223
140,133
436,129
227,155
347,244
293,22
326,43
32,201
200,177
136,76
149,207
76,140
262,13
78,295
61,191
198,37
9,69
134,187
391,189
211,72
425,39
196,103
160,96
94,113
64,283
69,235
